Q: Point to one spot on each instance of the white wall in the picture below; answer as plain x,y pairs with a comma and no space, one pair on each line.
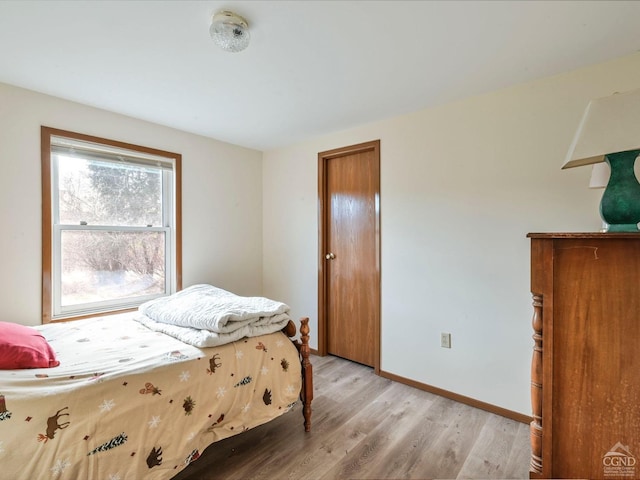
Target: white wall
221,198
461,186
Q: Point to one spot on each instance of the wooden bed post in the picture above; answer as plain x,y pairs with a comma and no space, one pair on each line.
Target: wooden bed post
307,374
306,394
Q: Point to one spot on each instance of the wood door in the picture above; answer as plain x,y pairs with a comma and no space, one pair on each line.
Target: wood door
349,256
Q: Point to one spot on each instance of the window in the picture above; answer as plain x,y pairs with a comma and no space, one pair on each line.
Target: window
110,222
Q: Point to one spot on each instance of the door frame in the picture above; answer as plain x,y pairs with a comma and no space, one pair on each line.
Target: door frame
323,218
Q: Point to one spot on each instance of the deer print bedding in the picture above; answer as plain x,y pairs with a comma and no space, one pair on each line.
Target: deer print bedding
130,403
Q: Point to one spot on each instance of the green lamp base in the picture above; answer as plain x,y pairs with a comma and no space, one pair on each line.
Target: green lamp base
620,204
631,227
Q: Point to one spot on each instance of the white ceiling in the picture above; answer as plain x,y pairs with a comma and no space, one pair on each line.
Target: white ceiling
313,67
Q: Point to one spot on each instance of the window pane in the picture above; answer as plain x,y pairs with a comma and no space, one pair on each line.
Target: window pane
108,193
104,265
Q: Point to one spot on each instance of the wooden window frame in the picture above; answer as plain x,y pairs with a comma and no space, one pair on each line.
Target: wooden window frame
47,226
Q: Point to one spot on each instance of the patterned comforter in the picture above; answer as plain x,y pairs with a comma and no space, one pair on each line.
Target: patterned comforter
130,403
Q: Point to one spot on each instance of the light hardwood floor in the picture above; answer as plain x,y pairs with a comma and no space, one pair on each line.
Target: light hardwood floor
368,427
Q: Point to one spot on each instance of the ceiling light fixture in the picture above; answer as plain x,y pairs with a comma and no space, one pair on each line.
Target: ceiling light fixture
229,31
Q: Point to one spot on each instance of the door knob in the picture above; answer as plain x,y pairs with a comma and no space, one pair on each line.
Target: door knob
329,256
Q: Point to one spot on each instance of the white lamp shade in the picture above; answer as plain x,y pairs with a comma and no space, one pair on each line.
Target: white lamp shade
609,125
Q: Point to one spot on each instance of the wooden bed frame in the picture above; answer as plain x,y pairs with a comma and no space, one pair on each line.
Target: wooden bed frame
302,345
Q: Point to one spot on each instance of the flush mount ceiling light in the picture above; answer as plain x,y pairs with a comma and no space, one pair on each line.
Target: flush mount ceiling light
229,31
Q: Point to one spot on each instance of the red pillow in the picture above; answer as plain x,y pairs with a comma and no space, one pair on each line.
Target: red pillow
24,347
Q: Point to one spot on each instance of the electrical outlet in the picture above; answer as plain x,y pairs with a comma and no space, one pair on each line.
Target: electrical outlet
445,340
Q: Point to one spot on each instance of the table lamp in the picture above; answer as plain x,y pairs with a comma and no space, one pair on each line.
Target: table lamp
610,132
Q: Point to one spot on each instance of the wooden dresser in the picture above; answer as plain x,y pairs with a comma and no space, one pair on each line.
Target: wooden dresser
585,372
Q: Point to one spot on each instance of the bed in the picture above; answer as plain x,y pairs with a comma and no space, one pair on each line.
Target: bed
129,402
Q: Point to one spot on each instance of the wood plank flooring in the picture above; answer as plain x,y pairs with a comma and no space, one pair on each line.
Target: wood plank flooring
368,427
